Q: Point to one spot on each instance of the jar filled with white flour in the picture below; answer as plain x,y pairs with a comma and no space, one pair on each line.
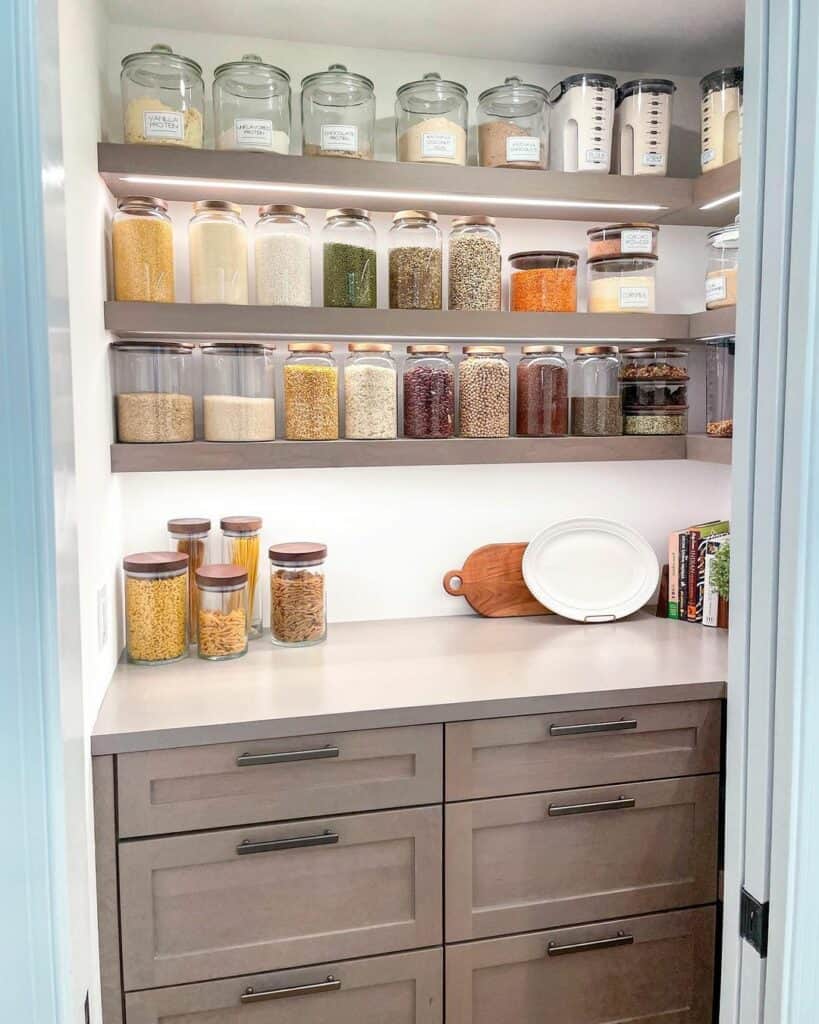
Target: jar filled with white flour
217,243
431,121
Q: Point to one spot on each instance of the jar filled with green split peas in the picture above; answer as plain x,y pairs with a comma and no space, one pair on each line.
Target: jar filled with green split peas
349,259
217,244
156,607
298,597
222,611
142,251
240,546
310,392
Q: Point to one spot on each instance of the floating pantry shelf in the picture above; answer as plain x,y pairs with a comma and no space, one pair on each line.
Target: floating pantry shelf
174,173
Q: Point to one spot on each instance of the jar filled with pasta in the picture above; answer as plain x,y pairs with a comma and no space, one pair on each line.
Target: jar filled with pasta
298,599
222,614
310,392
240,546
191,536
156,607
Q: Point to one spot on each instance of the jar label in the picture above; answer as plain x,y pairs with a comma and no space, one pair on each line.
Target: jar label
635,240
633,296
339,138
652,159
716,288
522,148
595,156
438,144
707,156
255,132
163,124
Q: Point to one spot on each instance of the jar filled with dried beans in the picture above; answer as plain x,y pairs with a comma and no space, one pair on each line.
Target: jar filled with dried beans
543,392
429,392
310,392
222,612
474,264
156,607
298,599
544,282
484,383
190,536
416,260
142,251
370,391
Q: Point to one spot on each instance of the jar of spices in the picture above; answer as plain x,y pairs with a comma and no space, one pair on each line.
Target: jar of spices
217,243
543,282
719,387
142,251
190,537
642,126
338,114
653,363
721,117
723,267
153,390
370,392
622,284
416,260
484,384
298,599
633,239
543,392
163,98
350,277
513,126
222,599
431,121
282,250
240,547
251,106
238,388
310,392
474,264
156,607
429,392
595,392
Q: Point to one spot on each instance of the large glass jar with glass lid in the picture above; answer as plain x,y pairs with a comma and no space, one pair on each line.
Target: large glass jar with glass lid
594,382
431,121
349,259
283,264
163,98
513,126
238,382
251,106
217,245
416,258
370,391
723,267
338,114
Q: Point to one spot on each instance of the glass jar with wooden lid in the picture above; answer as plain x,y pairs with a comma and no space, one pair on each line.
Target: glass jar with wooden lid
298,597
156,607
190,536
370,391
241,546
222,598
310,392
542,392
429,392
485,389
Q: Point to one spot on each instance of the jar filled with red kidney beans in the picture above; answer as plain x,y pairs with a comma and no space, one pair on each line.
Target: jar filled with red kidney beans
429,392
543,392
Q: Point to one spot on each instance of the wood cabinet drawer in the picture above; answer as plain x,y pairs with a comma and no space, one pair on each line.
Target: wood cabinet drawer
527,862
662,972
405,988
276,780
215,904
535,753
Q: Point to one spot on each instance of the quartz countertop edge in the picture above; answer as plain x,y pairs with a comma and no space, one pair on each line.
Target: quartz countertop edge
390,673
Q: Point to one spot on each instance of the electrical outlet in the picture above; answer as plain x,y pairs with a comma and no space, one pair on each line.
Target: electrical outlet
102,616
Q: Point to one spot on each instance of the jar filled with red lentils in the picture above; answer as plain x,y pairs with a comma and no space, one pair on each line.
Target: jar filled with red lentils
543,282
543,392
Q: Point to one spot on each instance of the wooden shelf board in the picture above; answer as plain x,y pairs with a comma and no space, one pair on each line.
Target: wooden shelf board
701,448
713,323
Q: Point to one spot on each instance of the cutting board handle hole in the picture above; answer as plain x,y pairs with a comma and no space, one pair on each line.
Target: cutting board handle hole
452,583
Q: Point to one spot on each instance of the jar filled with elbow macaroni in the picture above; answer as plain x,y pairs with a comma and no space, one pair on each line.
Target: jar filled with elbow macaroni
222,611
156,607
298,599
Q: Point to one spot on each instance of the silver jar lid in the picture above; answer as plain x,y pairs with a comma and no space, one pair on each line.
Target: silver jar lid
163,56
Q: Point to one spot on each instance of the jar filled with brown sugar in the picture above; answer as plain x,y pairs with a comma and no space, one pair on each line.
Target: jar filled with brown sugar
298,598
142,251
542,392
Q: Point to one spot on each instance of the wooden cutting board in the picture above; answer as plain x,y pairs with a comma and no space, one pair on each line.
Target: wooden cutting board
492,582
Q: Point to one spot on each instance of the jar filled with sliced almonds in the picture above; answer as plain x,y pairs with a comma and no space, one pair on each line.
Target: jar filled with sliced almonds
298,600
223,611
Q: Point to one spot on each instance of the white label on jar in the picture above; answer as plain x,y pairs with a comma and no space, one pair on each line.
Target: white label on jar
254,132
163,124
635,240
522,148
653,159
633,296
595,156
438,144
341,138
716,288
707,156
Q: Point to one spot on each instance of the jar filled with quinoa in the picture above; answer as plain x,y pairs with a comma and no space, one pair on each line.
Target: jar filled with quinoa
156,607
543,282
474,264
484,383
429,392
222,611
310,392
153,391
298,599
142,251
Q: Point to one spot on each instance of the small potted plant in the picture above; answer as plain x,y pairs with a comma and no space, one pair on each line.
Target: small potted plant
721,581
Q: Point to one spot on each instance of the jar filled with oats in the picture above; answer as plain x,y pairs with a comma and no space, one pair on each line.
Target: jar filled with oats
156,607
298,600
223,611
310,392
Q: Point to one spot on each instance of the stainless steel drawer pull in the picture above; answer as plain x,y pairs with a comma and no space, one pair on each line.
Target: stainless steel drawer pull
620,939
622,803
250,995
584,730
271,845
285,756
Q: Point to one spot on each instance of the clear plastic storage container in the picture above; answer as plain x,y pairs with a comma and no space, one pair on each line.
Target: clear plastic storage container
163,98
595,392
154,390
474,264
654,394
349,259
582,123
298,597
635,239
542,392
642,126
660,421
217,246
719,387
238,392
190,537
431,121
142,251
513,126
415,260
429,392
485,388
251,106
282,256
723,267
543,282
240,547
643,363
156,607
370,391
310,392
721,118
222,612
622,284
338,114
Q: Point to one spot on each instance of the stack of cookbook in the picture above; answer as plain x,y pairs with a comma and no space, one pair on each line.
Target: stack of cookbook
692,572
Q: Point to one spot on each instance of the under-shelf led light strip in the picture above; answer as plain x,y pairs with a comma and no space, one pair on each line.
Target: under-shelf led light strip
409,339
721,201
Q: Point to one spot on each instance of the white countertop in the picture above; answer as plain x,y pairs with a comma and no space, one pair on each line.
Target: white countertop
408,672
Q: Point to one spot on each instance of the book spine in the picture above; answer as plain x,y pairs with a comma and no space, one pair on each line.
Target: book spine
693,609
674,576
683,573
710,598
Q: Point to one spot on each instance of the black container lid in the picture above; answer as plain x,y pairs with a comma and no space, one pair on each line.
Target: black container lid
662,85
722,78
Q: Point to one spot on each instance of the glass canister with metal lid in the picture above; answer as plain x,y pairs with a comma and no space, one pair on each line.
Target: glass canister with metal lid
142,251
370,391
416,260
543,392
338,114
431,121
474,264
251,106
595,392
429,392
217,244
513,126
163,98
349,259
723,267
719,387
485,391
283,260
310,392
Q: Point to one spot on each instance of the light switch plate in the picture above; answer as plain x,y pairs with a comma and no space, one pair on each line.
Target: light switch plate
102,616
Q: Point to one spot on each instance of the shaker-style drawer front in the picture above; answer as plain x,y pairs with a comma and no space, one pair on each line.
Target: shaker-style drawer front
535,753
405,988
644,970
527,862
215,904
277,780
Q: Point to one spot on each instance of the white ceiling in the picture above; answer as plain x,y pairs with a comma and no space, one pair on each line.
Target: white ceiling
690,37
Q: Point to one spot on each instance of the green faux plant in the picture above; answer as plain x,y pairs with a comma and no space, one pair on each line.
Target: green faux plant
721,571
